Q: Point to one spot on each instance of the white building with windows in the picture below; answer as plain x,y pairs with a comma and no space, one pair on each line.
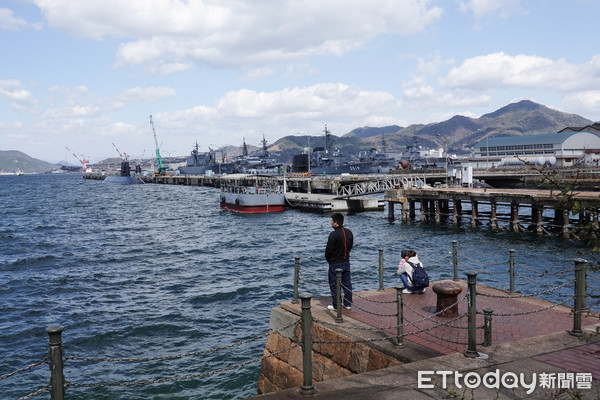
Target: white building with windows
562,149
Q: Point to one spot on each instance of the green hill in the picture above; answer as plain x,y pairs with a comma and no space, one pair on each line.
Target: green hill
12,161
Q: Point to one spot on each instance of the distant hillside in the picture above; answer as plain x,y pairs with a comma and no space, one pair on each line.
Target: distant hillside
12,161
367,131
521,118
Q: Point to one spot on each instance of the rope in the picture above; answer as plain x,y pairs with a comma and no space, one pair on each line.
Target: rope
520,296
32,394
181,378
482,262
545,272
177,356
27,368
531,312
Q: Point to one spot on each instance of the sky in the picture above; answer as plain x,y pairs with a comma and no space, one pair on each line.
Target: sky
87,75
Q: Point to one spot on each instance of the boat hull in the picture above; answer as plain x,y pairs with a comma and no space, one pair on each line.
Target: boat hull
124,180
253,203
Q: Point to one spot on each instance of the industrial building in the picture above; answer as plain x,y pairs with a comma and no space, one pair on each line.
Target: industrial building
567,148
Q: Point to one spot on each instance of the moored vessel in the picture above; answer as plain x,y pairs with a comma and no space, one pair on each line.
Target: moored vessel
251,194
125,177
327,161
200,163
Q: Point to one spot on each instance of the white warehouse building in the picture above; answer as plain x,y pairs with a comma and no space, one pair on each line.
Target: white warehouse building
562,149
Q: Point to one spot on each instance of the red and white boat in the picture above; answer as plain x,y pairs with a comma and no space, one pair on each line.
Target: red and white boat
251,193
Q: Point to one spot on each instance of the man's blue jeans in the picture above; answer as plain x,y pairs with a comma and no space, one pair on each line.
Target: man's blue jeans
346,283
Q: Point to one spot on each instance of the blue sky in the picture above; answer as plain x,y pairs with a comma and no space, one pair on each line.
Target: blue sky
86,74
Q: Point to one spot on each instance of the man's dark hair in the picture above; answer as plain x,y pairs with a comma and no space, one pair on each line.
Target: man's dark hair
339,218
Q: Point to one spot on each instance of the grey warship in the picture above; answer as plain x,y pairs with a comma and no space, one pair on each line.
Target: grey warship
326,161
200,163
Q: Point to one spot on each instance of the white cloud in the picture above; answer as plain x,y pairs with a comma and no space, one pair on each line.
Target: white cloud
9,22
523,71
491,8
143,95
248,113
168,35
22,99
585,101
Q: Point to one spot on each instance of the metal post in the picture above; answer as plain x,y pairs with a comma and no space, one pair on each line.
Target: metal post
455,259
471,351
55,361
400,320
487,327
381,270
296,279
511,269
306,317
338,283
579,296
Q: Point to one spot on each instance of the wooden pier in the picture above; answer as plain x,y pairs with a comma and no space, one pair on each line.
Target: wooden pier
437,204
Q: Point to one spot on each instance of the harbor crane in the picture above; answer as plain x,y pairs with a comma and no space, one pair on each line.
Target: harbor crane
124,156
161,169
84,161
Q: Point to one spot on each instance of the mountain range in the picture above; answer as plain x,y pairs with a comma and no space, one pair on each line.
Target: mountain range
458,133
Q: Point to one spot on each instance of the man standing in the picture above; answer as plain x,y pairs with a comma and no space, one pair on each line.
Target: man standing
337,254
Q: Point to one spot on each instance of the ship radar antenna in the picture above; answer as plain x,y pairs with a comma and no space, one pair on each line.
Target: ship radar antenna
327,140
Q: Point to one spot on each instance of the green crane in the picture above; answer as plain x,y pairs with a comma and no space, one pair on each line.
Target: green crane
161,169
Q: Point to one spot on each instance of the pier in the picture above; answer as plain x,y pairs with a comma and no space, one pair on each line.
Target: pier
548,210
388,341
499,207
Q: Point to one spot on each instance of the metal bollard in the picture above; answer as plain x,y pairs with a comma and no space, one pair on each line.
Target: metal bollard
487,327
307,387
381,270
455,259
55,361
400,320
580,265
471,351
338,282
296,279
511,269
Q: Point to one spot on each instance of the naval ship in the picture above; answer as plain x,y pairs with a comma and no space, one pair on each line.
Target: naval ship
325,161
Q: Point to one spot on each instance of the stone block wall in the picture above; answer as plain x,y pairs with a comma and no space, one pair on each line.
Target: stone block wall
330,360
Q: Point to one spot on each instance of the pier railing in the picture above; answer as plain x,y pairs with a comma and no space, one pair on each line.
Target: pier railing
425,324
428,322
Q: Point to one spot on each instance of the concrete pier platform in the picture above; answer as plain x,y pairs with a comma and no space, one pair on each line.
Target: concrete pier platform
530,341
328,202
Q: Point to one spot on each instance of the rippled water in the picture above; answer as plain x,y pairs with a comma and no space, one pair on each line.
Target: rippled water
153,270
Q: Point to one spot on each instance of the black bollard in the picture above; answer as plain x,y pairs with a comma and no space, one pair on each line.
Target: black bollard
455,260
579,296
381,270
400,318
487,327
307,387
471,351
55,361
296,279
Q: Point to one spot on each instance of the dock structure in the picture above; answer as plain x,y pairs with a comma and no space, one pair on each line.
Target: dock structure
550,211
361,357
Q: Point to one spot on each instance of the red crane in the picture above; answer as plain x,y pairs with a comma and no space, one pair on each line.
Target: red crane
84,161
123,156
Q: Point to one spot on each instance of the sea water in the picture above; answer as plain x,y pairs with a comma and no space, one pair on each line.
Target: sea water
140,271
